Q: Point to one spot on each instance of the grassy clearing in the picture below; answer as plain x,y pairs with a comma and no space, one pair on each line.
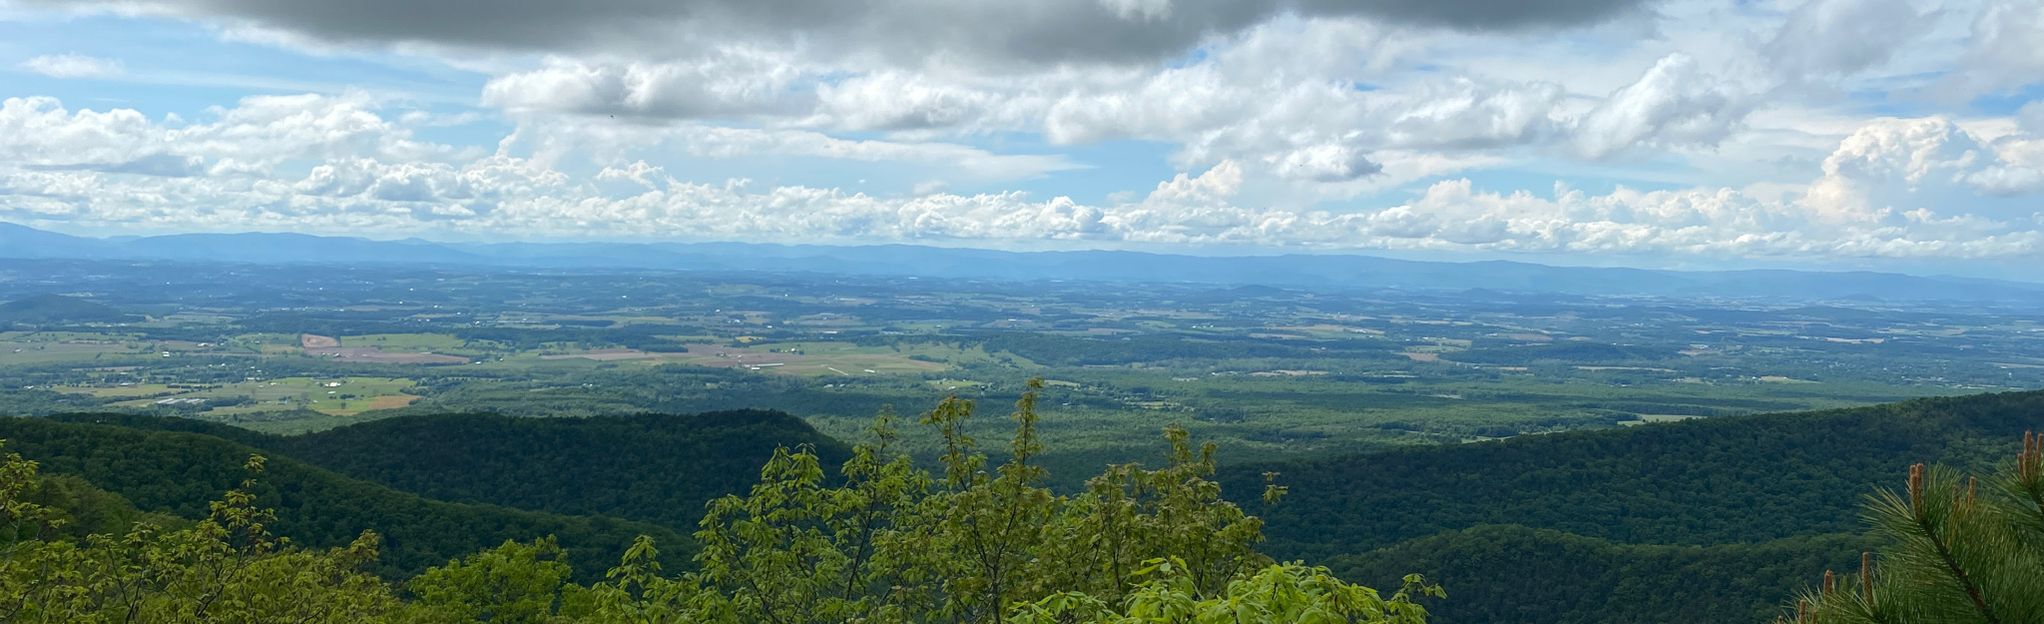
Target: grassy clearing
34,348
406,342
341,396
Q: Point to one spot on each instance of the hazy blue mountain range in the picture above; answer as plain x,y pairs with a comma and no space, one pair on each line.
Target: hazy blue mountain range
1297,271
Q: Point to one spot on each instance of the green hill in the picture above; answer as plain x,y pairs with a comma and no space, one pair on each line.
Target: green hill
1516,574
177,473
1705,481
652,467
1705,520
60,310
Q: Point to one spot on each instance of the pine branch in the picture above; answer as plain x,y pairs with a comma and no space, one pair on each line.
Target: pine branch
1917,480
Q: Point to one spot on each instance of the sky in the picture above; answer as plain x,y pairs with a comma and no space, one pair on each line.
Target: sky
1885,134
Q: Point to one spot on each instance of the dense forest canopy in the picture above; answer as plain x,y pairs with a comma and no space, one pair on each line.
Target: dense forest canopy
1483,519
890,542
665,466
181,473
1709,481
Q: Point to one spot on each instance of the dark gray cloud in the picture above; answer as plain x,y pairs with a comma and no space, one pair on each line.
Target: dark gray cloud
1028,31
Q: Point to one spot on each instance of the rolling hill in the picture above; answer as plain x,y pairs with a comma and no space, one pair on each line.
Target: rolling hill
1507,573
1705,520
60,310
1736,479
652,467
178,472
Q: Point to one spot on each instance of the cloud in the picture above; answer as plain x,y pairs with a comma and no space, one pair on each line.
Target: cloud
1891,167
1325,163
1040,32
164,165
72,66
552,140
1312,96
1463,113
258,134
1670,105
1880,193
1139,9
731,85
39,131
1673,104
2031,118
2005,50
1835,37
894,100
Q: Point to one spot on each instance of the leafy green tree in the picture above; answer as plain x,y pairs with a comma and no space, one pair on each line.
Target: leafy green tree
892,543
882,542
514,583
225,568
1954,551
1277,594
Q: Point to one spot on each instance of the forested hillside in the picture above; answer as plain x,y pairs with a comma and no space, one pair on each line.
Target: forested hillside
1706,481
180,472
887,541
652,467
59,309
1698,521
1704,520
1503,573
674,464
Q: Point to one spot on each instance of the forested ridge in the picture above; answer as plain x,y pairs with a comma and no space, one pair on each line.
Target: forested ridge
179,473
887,542
1742,479
1510,573
1705,520
657,468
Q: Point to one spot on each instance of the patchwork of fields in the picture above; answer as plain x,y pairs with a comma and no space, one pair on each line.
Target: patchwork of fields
1267,372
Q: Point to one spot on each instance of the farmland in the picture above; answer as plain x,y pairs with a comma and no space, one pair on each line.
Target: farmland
1268,372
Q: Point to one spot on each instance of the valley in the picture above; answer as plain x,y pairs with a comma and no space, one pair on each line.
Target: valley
1270,373
1664,447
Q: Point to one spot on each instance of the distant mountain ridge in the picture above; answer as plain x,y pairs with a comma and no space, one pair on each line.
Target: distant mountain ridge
1294,271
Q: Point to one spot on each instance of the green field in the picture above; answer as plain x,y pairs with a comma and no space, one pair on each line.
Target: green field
1266,373
439,343
38,348
335,396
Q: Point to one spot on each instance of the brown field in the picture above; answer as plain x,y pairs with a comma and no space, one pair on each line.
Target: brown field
391,401
316,341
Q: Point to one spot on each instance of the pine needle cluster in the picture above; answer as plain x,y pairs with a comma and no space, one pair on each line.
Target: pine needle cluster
1958,549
